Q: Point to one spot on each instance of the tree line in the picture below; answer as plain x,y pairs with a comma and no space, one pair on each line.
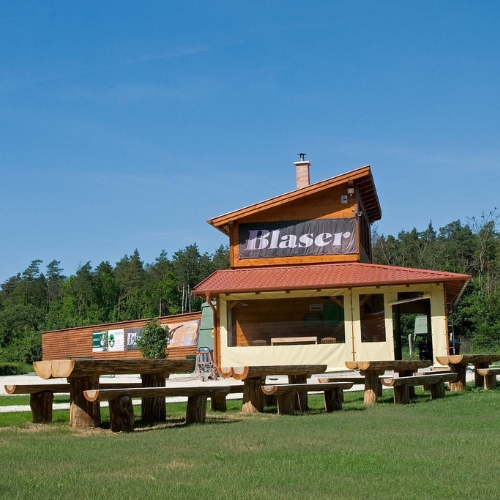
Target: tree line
35,301
39,300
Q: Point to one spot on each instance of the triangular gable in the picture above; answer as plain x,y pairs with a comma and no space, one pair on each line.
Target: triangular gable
361,177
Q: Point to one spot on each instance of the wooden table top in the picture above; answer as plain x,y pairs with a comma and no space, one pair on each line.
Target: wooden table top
396,365
465,359
63,368
244,372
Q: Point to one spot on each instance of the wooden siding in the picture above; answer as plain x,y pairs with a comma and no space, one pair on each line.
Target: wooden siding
323,205
74,342
282,261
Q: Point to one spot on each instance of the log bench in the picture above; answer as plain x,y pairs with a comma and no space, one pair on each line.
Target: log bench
490,376
458,364
218,402
372,370
429,372
42,396
254,377
355,379
334,394
121,412
83,374
435,382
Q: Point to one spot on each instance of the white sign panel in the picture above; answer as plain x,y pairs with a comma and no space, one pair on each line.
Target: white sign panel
116,340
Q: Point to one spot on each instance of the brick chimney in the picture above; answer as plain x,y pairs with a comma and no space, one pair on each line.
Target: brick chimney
302,171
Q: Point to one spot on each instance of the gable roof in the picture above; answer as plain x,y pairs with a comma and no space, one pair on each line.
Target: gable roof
362,178
318,276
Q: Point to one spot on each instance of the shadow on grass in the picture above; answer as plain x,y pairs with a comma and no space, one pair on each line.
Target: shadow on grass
173,423
354,408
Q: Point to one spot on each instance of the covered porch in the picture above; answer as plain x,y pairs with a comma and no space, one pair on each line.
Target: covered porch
322,313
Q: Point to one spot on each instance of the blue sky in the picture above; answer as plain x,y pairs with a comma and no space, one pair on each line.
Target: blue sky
127,125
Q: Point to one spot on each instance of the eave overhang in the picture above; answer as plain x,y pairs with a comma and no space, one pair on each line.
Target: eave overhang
325,276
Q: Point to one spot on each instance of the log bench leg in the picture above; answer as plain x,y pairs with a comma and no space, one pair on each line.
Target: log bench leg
334,399
411,388
372,386
301,398
253,397
379,388
196,411
437,390
490,382
41,407
287,403
153,409
218,403
459,385
121,414
83,413
401,395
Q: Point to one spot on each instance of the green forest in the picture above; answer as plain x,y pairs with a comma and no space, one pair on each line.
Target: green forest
38,300
42,298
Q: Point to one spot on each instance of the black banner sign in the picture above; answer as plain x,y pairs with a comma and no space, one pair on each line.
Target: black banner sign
297,238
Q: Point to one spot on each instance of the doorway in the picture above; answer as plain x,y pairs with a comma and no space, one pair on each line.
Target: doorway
411,309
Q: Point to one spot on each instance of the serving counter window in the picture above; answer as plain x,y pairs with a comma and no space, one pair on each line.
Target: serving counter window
293,321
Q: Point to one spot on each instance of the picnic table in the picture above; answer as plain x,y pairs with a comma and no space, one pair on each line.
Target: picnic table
254,376
371,370
458,364
83,375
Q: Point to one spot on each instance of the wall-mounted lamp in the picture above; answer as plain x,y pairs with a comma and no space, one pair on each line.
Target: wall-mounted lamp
350,188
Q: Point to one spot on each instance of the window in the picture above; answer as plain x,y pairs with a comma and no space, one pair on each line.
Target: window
316,320
372,317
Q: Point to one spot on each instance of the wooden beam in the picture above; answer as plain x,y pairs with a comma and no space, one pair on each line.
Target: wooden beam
153,392
58,388
419,379
396,365
244,372
279,389
63,368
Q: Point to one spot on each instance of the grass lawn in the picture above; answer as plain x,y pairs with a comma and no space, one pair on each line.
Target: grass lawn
446,448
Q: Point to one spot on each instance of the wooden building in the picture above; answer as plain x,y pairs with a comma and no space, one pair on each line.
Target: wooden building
302,289
118,340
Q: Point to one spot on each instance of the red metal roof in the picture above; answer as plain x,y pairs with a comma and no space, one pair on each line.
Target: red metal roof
317,276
